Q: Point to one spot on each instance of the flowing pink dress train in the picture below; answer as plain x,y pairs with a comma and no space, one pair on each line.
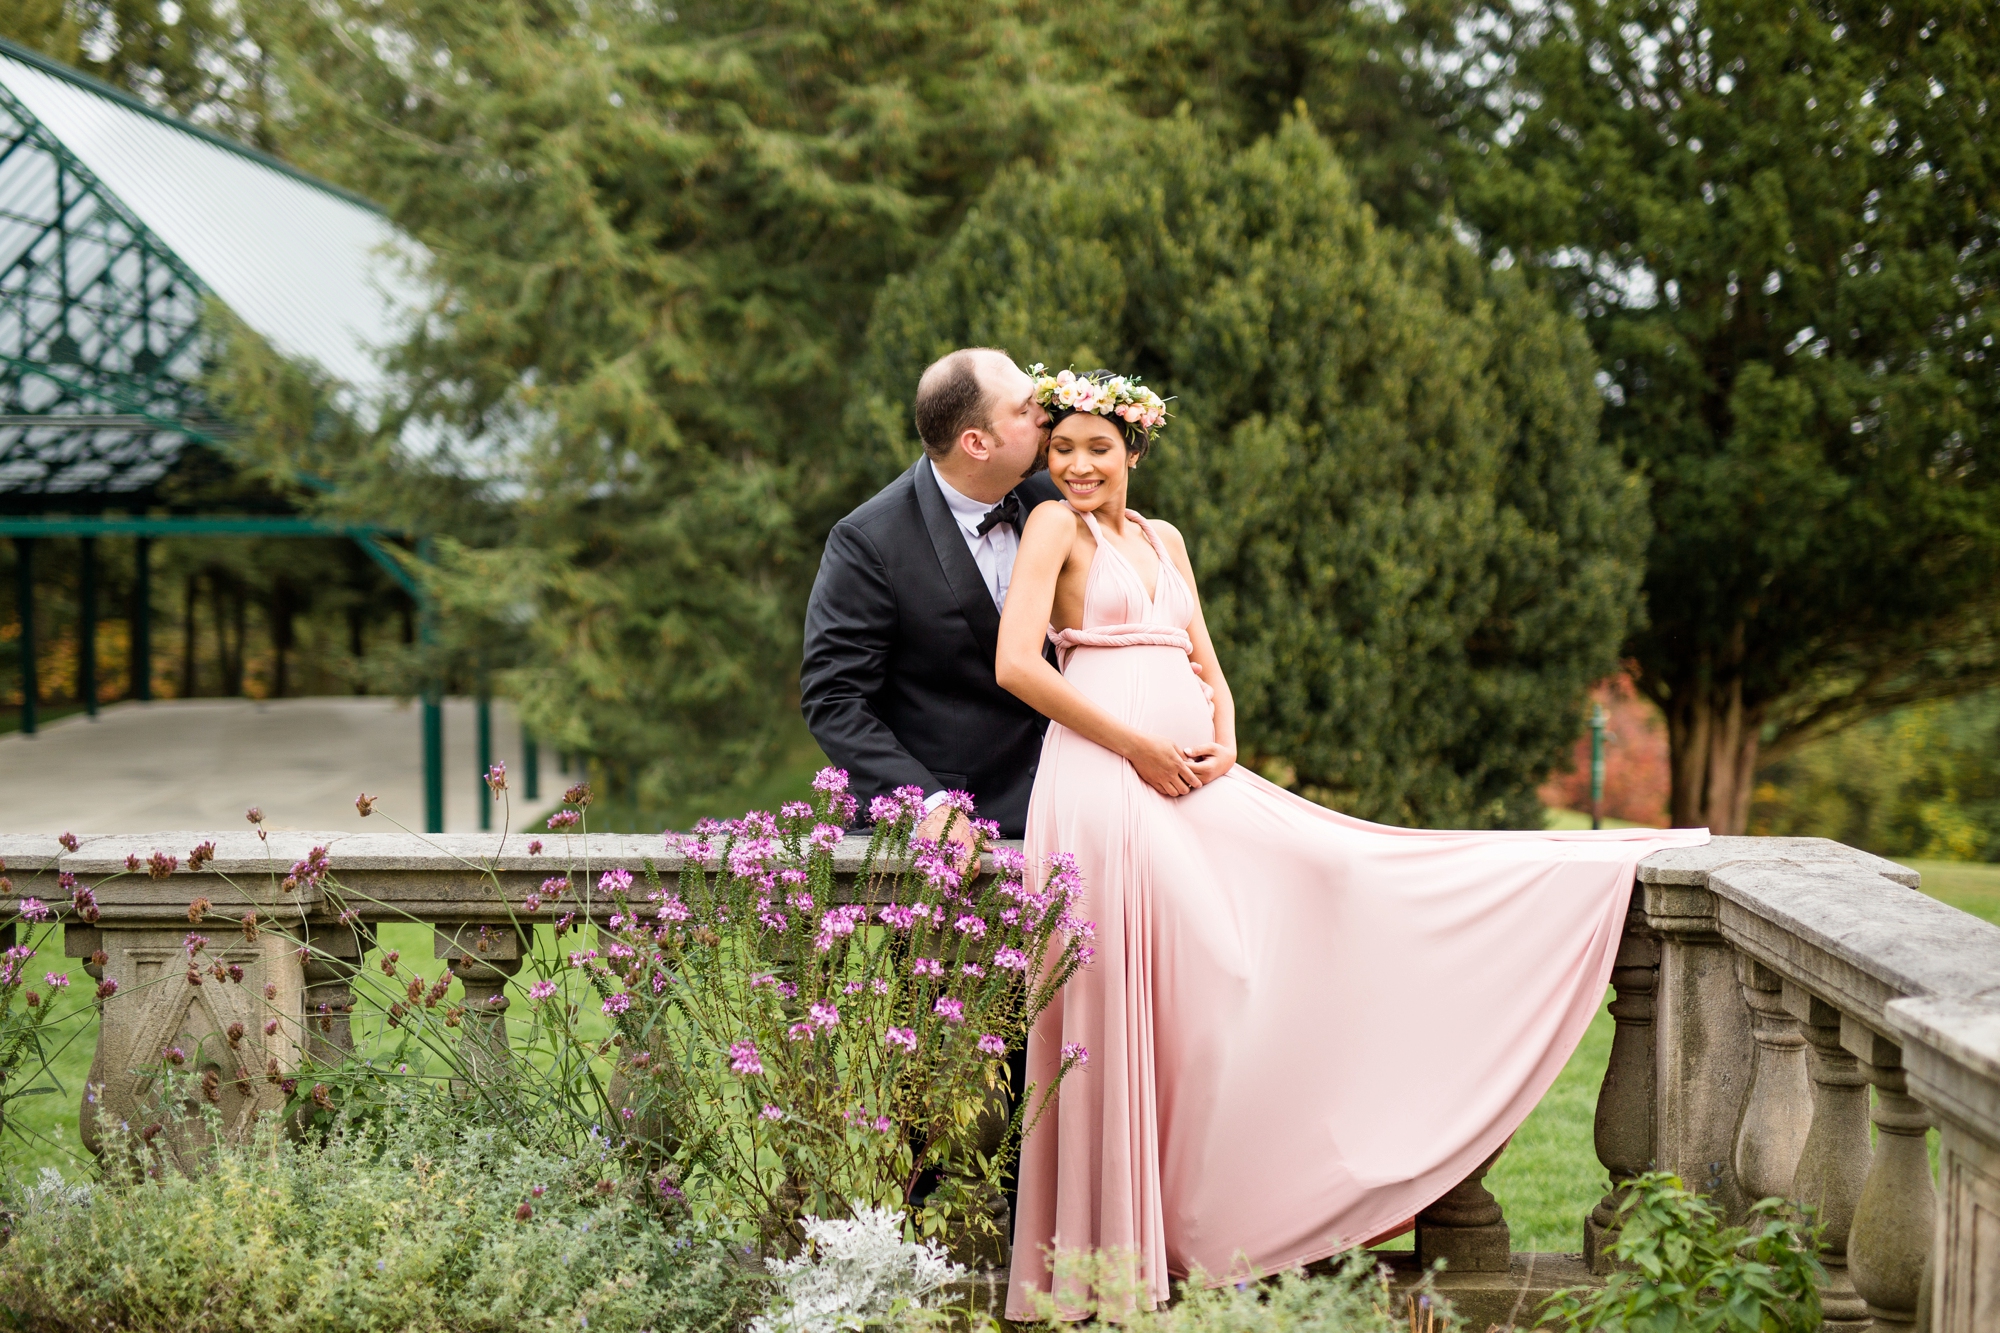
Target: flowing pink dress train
1303,1028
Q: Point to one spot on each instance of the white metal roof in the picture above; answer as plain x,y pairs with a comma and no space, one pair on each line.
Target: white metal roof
320,274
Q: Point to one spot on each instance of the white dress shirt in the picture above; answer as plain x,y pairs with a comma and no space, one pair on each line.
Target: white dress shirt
995,551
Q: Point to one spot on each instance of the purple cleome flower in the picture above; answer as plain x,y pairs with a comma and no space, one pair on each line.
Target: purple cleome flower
1075,1052
949,1009
542,990
992,1045
616,880
903,1037
743,1058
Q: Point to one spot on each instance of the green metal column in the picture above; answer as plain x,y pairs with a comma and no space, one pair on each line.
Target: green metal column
142,619
433,712
485,725
531,766
86,628
1598,719
24,607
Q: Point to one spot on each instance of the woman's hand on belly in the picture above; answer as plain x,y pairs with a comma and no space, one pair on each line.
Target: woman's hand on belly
1210,761
1160,764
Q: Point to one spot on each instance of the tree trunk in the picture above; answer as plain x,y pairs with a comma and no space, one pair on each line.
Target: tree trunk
1713,740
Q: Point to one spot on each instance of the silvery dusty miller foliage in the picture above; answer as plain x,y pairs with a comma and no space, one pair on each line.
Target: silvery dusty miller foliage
853,1272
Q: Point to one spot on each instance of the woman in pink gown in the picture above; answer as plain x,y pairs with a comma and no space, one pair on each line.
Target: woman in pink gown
1303,1028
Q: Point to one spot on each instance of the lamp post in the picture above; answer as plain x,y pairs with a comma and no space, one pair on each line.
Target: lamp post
1598,720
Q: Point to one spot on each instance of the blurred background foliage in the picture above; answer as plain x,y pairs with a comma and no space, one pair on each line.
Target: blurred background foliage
1510,342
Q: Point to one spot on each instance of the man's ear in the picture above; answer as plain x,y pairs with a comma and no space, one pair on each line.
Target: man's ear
973,443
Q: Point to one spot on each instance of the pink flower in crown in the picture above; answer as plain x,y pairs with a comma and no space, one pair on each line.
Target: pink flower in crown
743,1058
1075,1052
903,1037
949,1009
992,1045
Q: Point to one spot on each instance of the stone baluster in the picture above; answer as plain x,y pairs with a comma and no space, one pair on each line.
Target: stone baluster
1895,1219
1834,1160
1624,1124
484,959
1466,1228
333,958
1778,1110
1703,1050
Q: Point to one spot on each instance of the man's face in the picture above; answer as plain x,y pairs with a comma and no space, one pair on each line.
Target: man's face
1019,424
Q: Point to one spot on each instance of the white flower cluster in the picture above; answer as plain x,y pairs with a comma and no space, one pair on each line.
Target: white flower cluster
851,1273
1119,396
51,1193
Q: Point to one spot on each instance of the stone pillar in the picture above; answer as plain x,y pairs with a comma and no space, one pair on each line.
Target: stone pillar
1834,1160
329,969
1465,1228
484,959
1778,1111
1624,1122
1895,1220
1951,1060
1703,1046
171,1000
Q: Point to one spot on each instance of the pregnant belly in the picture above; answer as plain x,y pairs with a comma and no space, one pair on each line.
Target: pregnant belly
1151,688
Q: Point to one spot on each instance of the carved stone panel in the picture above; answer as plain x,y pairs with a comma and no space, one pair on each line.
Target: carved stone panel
171,1001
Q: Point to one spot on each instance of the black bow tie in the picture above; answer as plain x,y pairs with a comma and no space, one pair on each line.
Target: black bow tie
1008,511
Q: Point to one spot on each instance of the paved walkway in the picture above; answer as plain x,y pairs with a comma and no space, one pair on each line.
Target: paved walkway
198,763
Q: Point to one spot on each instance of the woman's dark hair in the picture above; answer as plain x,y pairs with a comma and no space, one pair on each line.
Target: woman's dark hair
1138,439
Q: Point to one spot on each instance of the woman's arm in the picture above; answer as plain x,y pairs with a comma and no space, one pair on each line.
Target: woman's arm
1210,761
1023,671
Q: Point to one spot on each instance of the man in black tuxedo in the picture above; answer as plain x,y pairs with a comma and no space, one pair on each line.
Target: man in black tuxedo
897,684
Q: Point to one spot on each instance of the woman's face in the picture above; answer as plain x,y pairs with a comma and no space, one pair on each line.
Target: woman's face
1088,460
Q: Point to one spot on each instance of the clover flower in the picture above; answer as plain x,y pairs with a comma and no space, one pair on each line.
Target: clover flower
743,1058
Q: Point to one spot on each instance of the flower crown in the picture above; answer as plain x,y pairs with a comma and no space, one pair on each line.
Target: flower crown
1121,396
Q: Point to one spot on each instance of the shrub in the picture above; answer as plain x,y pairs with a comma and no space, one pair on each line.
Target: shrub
1684,1272
853,1273
1355,1297
750,1043
404,1224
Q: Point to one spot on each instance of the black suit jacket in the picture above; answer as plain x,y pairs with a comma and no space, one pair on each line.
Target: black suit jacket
897,684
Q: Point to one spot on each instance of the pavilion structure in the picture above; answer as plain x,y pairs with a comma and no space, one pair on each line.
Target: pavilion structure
118,226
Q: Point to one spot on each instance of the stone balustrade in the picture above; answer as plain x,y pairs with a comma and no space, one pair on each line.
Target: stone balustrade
1791,1016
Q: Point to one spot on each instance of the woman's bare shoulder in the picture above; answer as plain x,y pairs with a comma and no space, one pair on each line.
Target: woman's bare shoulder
1052,524
1169,534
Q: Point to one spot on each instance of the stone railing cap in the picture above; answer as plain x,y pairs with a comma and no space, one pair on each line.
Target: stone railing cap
1965,1031
1693,865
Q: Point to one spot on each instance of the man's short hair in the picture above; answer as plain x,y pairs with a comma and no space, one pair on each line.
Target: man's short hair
951,400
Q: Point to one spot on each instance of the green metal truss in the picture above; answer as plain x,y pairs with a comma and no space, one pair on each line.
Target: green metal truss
100,350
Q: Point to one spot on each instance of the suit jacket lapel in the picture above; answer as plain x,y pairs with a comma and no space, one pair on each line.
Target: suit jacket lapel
967,587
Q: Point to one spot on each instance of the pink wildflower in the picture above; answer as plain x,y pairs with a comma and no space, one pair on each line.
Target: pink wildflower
992,1044
1010,958
616,880
564,820
619,1003
542,990
743,1058
927,967
1075,1052
949,1009
825,1015
771,1112
903,1037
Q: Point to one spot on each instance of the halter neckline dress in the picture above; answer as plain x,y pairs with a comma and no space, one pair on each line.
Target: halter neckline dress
1303,1028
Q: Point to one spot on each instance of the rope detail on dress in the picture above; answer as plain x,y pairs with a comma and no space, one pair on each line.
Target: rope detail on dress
1137,634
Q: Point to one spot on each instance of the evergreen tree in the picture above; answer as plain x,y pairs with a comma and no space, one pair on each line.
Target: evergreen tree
656,235
1414,553
1779,224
